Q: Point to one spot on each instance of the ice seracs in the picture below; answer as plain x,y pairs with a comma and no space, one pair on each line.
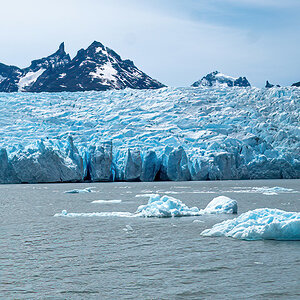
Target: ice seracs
260,224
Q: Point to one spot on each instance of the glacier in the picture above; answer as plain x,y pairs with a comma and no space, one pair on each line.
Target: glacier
259,224
178,134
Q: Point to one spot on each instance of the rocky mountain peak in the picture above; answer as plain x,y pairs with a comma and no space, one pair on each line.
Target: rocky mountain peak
217,79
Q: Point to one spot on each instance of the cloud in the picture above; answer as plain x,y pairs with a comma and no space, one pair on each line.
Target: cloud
175,41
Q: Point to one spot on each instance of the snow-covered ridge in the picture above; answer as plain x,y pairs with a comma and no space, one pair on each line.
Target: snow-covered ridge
217,79
166,134
96,68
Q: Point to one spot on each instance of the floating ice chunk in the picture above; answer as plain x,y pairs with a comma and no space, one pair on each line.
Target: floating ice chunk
128,228
259,224
198,221
125,214
221,205
273,190
144,195
106,201
165,206
77,191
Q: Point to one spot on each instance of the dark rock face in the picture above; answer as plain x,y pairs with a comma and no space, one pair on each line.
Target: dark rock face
296,84
218,79
95,68
270,85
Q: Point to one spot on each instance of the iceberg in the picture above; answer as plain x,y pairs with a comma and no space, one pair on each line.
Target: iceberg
106,201
221,205
259,224
162,207
165,206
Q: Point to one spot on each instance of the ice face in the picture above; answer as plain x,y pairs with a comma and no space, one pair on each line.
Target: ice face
167,134
260,224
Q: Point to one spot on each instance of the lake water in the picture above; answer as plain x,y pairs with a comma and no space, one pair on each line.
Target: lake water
47,257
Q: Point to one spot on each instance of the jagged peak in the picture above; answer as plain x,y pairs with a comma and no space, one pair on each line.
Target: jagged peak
96,44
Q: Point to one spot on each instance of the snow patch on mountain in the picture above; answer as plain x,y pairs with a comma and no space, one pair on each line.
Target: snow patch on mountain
29,78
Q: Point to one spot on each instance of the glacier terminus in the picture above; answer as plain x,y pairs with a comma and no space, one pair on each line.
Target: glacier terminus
202,133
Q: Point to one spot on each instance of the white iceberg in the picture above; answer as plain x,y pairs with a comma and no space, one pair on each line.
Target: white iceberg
165,206
221,205
260,224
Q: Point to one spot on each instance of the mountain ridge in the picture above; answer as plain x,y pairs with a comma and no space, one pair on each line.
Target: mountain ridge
97,68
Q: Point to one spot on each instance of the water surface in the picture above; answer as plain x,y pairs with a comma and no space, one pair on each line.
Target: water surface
43,256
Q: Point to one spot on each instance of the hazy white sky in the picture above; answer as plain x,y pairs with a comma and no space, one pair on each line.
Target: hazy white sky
174,41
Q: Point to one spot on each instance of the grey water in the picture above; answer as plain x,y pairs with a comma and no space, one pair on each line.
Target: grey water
47,257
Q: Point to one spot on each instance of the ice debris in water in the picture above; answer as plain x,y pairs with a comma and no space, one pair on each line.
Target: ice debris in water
260,224
273,190
106,201
128,228
77,191
125,214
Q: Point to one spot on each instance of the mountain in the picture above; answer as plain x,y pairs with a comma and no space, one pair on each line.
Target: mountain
95,68
296,84
270,85
217,79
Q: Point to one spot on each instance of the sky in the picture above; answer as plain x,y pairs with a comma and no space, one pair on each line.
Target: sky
174,41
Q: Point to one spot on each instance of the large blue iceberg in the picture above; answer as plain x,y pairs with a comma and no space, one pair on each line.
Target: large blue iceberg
167,134
260,224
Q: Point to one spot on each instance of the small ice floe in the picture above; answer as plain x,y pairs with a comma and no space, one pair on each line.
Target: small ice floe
221,205
272,191
198,221
64,213
260,224
77,191
106,201
128,228
144,195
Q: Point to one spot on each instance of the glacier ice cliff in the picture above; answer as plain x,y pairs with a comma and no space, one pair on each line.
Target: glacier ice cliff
260,224
202,133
